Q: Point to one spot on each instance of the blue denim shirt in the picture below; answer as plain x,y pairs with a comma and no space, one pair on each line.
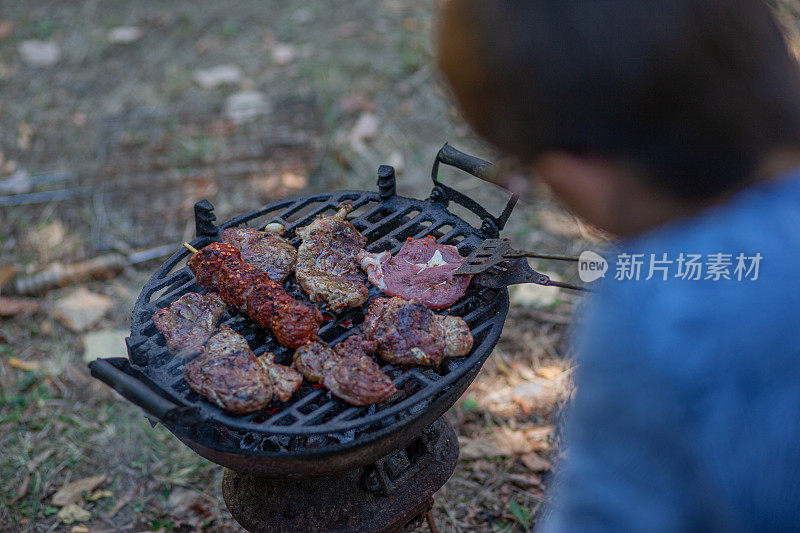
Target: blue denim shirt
687,410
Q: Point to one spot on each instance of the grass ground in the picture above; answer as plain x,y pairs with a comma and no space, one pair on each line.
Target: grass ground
127,130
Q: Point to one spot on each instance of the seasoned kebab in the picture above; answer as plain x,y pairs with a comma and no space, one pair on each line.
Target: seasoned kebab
219,266
346,370
230,375
326,261
408,333
423,271
189,321
266,250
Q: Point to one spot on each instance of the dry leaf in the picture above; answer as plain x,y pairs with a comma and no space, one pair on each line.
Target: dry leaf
81,309
366,128
505,442
189,507
73,492
6,273
524,480
550,372
356,104
99,494
39,459
79,529
23,365
534,463
72,513
23,488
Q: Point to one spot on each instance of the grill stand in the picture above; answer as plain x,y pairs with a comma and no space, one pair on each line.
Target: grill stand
393,495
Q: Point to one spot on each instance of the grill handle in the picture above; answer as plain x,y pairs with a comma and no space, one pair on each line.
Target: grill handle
117,373
441,193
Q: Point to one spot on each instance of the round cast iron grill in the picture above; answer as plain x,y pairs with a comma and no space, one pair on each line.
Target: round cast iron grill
313,420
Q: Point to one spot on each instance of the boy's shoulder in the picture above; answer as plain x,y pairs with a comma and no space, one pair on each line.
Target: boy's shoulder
717,288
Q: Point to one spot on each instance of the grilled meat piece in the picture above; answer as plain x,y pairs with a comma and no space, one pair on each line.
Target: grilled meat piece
353,376
220,266
285,380
422,270
346,370
310,360
266,250
326,261
189,321
228,374
408,333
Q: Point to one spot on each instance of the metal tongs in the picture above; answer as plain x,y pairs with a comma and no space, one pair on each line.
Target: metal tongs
497,265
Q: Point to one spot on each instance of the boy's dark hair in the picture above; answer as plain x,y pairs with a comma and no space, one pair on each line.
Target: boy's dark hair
693,92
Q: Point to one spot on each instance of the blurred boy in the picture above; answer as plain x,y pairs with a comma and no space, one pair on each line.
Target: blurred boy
675,125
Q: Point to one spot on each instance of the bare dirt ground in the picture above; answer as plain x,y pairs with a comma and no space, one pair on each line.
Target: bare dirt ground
108,137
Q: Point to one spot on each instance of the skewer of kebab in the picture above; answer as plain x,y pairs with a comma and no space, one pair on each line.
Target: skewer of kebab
220,267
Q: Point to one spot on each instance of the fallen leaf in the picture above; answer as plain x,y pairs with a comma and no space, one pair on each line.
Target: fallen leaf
79,529
355,104
39,53
73,492
365,128
27,366
534,463
211,78
505,442
246,106
104,343
72,513
524,480
124,35
39,459
536,296
283,54
189,507
125,500
23,488
6,273
550,372
99,494
81,309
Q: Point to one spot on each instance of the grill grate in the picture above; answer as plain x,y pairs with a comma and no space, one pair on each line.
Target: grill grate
312,410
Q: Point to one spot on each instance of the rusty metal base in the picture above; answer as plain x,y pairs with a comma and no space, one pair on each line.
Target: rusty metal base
389,496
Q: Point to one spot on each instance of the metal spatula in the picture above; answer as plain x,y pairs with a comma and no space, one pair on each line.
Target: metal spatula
497,265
